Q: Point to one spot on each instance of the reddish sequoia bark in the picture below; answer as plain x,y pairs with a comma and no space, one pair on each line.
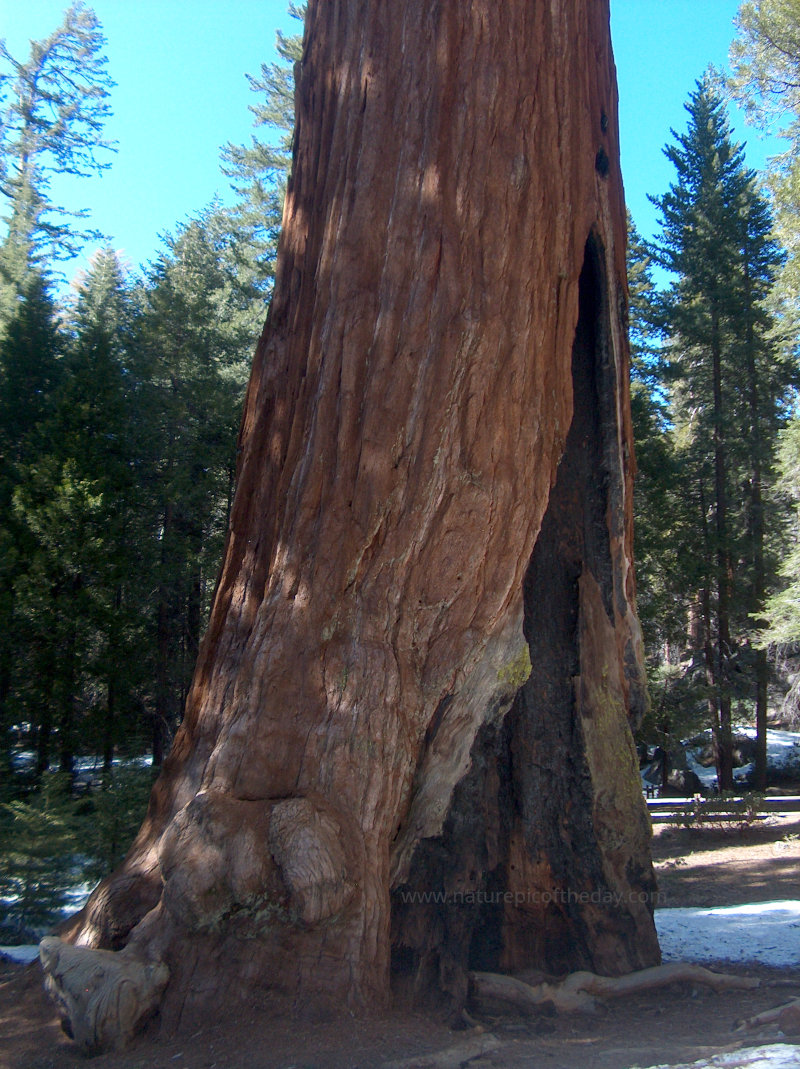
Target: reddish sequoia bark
423,648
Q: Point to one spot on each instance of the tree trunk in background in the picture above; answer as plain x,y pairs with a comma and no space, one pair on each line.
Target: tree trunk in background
45,727
423,649
110,718
756,532
724,571
161,713
66,686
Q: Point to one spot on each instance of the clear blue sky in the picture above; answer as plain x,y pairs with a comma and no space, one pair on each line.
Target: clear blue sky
181,94
661,48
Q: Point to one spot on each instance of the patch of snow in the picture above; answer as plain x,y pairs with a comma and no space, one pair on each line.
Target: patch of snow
23,760
95,763
24,954
773,1056
783,755
707,776
86,764
783,747
767,932
77,897
743,773
146,761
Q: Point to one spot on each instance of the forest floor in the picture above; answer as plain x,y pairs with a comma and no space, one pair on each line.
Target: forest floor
679,1024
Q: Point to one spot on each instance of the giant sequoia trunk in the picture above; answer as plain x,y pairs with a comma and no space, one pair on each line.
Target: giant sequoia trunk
406,750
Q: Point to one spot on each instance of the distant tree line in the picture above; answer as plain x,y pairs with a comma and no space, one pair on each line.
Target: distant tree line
119,411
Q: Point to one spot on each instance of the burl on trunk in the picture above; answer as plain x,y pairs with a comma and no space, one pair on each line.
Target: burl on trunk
406,752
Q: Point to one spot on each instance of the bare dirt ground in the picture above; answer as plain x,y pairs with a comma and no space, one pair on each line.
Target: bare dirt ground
703,867
678,1024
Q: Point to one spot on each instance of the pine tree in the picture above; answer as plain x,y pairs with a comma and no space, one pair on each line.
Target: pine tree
106,440
782,611
76,502
37,864
657,508
194,347
31,369
716,242
260,170
51,122
768,376
766,64
117,810
60,512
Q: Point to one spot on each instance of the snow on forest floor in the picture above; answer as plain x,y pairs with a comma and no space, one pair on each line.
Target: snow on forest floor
783,758
773,1056
23,955
766,932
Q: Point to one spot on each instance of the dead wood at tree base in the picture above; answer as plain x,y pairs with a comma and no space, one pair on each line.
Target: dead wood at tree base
103,997
451,1057
786,1017
579,992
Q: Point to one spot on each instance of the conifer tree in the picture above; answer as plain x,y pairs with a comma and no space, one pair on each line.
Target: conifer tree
107,436
30,372
259,171
75,501
37,840
765,58
725,396
657,497
768,375
193,346
766,80
782,611
51,122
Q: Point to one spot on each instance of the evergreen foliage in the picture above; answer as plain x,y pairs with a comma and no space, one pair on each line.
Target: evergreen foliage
766,80
765,59
657,497
115,814
38,841
51,122
260,170
30,372
118,417
193,349
728,384
52,842
782,611
119,411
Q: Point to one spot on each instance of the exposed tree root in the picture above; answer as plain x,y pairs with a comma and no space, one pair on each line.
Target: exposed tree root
103,996
786,1017
579,992
450,1058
